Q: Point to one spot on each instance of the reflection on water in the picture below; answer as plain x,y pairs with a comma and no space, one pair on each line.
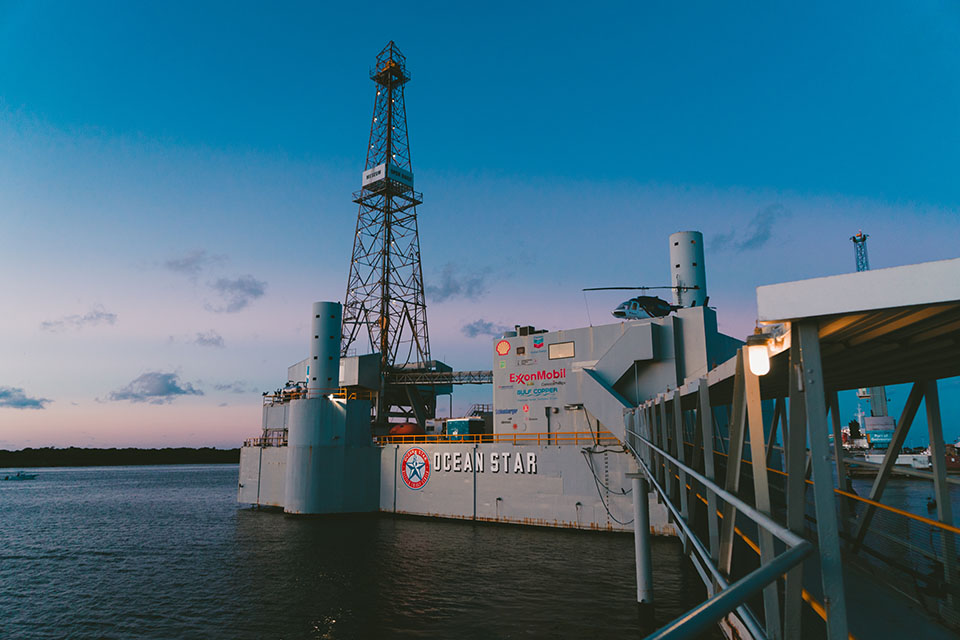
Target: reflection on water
165,552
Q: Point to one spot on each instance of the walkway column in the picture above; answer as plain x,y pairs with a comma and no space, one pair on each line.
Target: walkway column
807,334
641,538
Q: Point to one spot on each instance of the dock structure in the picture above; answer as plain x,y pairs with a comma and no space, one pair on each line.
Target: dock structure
776,546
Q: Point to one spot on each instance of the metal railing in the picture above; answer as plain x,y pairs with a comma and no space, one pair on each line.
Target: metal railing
338,393
558,438
271,440
915,554
815,605
942,526
479,409
440,377
726,597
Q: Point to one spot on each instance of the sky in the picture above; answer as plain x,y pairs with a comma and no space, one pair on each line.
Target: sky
176,180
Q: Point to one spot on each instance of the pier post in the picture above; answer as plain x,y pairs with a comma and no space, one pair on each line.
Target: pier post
641,537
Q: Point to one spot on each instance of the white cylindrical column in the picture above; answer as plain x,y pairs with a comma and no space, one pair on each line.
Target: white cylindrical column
641,538
323,371
687,268
314,424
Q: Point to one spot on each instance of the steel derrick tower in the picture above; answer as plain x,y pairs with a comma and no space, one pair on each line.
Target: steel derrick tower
384,308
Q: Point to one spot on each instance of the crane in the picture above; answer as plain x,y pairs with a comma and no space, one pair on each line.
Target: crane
877,395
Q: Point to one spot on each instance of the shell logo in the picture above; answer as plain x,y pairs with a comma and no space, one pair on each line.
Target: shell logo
503,348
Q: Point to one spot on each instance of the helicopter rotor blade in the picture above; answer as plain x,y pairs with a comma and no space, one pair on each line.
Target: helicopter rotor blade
677,288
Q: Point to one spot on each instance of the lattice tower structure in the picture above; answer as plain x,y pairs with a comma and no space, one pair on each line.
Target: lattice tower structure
860,249
384,308
877,395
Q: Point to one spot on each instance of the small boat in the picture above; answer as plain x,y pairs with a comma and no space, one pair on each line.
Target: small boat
20,475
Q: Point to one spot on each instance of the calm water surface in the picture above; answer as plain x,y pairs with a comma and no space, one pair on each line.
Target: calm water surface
166,552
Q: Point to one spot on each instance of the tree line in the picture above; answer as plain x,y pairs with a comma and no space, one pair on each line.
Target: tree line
81,457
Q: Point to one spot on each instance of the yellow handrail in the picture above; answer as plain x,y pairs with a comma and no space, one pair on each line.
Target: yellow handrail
558,437
338,393
853,496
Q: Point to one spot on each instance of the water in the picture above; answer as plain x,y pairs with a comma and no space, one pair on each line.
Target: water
166,552
909,494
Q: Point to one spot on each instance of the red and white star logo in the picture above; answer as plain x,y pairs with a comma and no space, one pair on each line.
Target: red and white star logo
415,468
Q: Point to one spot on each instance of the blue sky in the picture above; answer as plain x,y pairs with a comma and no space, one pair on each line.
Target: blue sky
175,179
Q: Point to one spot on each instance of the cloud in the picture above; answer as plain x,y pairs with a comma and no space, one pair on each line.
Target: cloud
236,294
154,387
15,398
97,315
756,233
238,386
454,283
193,262
482,327
210,339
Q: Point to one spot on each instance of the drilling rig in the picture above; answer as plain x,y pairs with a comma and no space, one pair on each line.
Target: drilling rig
384,310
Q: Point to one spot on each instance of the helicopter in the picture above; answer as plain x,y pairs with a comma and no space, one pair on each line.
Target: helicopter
640,307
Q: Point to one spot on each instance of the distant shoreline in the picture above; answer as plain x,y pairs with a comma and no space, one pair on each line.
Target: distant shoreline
82,457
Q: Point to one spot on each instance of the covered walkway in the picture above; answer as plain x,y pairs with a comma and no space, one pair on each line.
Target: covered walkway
792,552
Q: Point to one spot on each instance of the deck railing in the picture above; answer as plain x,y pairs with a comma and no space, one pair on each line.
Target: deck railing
338,393
273,440
660,468
560,437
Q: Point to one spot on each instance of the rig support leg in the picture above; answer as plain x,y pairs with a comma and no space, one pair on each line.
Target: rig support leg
641,538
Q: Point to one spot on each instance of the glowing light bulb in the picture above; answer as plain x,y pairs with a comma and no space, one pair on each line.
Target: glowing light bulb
759,359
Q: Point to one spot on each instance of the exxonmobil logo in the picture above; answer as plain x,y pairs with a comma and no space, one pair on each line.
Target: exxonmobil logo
543,374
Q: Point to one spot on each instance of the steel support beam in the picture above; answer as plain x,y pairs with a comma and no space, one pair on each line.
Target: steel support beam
795,448
696,461
666,478
734,458
896,443
650,422
681,456
705,420
777,413
948,550
931,398
842,482
828,535
761,488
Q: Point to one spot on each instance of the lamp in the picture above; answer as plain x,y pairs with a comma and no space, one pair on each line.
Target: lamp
758,354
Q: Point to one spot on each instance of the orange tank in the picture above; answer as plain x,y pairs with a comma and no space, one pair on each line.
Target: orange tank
407,429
